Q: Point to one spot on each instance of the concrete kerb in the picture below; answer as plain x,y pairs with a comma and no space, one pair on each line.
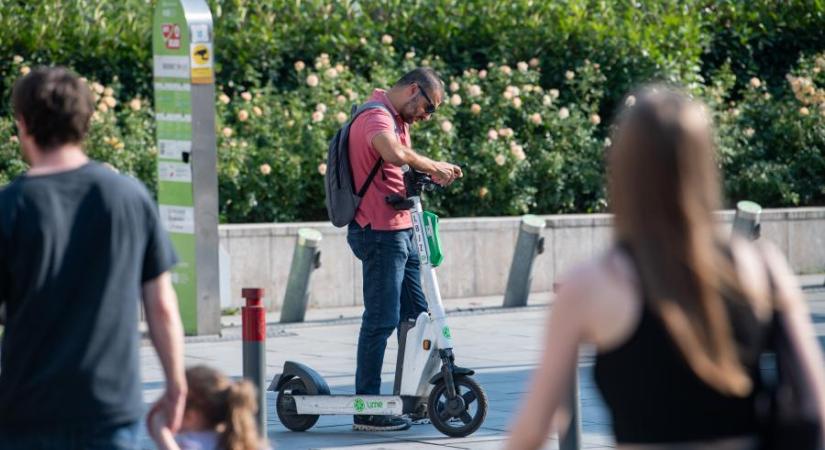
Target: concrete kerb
231,325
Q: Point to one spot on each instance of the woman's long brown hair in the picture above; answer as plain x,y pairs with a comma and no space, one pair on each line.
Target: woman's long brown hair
664,188
227,406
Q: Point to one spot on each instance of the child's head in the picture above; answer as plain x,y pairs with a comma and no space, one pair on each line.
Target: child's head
214,402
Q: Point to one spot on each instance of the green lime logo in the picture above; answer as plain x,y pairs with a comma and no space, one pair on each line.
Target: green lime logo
446,332
359,404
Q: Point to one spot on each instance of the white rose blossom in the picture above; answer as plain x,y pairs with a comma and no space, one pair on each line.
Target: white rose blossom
455,100
564,113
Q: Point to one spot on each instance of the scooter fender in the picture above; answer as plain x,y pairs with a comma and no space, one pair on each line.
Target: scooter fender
457,372
315,383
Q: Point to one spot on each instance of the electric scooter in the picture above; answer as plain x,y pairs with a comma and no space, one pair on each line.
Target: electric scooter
428,384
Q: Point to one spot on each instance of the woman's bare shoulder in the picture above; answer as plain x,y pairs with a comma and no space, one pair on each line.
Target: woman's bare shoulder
604,290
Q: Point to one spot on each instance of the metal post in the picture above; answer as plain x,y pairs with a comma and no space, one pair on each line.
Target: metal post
253,317
305,259
746,222
571,439
528,246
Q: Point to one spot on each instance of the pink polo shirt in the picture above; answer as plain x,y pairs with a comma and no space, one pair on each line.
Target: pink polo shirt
374,210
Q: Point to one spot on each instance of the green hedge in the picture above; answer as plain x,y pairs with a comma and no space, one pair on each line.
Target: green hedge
570,64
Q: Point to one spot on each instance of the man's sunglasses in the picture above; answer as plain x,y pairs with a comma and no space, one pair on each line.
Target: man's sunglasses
430,108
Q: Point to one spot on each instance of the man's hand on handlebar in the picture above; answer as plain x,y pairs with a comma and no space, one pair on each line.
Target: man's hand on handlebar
445,173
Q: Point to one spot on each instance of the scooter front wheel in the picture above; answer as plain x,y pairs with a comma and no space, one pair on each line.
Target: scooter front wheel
287,411
460,416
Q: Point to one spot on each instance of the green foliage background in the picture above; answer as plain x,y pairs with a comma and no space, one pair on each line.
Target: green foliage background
758,64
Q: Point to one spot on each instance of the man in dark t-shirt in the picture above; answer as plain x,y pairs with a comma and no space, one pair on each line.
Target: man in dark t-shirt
79,245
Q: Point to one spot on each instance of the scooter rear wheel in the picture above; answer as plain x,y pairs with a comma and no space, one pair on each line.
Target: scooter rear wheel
461,416
285,406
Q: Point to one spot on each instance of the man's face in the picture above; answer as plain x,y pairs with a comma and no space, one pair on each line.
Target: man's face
417,106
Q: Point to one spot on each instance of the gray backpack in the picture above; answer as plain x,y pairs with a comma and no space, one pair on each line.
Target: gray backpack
342,198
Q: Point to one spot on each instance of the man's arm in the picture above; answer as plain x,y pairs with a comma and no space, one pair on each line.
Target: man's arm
166,333
394,152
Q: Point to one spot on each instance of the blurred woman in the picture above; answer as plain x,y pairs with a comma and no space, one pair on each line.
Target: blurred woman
677,312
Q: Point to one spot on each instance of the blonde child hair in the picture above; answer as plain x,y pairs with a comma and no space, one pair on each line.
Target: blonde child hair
227,407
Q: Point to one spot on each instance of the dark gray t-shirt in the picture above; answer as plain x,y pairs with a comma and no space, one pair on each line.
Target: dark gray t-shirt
75,248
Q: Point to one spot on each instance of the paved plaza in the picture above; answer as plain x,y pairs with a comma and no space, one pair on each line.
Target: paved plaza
502,345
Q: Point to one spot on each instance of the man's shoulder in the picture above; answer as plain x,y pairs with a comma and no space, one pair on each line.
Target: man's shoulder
10,190
118,184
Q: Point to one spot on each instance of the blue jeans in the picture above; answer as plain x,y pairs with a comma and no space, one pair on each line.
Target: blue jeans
112,437
392,294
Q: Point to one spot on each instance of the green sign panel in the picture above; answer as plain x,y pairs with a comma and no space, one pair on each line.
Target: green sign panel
182,58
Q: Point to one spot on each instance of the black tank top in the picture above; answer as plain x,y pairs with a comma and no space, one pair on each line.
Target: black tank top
655,397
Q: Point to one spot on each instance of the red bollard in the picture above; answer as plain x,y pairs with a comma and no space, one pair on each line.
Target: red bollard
253,320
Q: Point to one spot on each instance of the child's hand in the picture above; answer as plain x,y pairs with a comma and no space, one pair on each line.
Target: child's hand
156,421
158,425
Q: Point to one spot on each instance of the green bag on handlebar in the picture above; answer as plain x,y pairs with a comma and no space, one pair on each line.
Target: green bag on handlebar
431,229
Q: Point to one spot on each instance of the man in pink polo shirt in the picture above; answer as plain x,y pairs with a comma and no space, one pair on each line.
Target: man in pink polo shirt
380,236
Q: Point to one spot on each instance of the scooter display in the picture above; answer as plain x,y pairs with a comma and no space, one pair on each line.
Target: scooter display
428,383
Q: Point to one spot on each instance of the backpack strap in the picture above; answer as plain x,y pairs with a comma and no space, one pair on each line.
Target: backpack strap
356,111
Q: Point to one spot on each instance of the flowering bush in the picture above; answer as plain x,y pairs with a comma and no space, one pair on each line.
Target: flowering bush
531,90
773,145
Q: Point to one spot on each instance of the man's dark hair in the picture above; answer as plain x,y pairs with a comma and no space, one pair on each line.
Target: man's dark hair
425,77
55,105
